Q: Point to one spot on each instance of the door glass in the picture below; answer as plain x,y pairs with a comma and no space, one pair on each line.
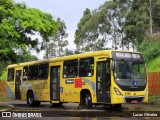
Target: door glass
55,83
103,81
10,75
18,84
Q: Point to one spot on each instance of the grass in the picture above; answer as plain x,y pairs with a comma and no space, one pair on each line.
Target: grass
154,65
3,107
155,99
2,99
3,77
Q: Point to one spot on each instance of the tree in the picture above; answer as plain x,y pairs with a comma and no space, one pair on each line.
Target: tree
68,52
88,36
18,25
104,24
142,20
113,9
81,33
154,15
136,23
150,48
125,23
56,46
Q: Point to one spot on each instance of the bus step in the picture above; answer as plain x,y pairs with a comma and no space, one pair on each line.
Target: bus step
54,101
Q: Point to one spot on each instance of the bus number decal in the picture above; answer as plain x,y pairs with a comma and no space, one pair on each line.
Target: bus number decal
70,81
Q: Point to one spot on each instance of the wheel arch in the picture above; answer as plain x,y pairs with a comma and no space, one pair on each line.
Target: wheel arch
83,92
28,91
34,102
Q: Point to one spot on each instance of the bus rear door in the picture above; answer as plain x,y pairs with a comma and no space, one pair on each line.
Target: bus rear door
10,83
55,83
18,84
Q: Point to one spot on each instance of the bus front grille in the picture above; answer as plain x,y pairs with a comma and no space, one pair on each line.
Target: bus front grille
134,99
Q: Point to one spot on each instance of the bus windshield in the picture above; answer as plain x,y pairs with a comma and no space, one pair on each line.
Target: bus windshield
129,73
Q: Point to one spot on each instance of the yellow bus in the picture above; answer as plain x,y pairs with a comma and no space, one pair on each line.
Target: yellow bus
93,78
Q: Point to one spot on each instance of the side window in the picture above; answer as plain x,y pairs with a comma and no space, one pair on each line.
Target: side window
86,67
10,75
70,69
33,72
43,71
25,73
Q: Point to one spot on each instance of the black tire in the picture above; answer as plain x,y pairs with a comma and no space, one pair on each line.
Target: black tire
31,101
116,107
37,103
57,104
88,101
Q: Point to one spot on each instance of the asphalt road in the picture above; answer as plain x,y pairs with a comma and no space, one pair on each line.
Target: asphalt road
72,111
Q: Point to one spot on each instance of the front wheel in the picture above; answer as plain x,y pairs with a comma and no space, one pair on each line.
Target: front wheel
116,107
88,101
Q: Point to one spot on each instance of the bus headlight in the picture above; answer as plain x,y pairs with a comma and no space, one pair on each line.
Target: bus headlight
117,91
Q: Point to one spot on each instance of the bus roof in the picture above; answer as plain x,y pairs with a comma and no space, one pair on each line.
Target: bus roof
70,57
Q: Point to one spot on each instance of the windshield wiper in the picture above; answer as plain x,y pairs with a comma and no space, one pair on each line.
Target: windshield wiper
127,67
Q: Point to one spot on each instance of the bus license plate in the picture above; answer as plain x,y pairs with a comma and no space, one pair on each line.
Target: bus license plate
134,101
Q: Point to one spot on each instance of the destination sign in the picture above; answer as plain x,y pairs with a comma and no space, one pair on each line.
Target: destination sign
127,55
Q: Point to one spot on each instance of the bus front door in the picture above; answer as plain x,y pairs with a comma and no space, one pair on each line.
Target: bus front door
55,83
18,84
103,81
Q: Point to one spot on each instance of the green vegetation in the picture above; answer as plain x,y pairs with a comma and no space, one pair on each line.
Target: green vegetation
151,51
154,65
3,77
154,99
120,22
20,28
18,25
2,107
126,24
57,45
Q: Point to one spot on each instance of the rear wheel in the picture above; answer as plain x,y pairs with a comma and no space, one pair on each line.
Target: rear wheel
31,101
57,104
88,101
